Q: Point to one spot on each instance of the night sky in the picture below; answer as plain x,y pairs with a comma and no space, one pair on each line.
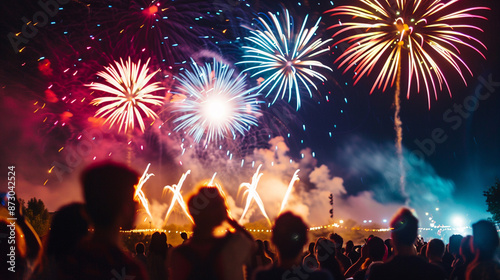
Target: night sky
343,127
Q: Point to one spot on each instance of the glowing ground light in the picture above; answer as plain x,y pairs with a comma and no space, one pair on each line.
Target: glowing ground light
251,194
217,105
127,82
177,197
284,56
426,33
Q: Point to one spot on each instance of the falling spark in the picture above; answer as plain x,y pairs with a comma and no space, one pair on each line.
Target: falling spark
251,193
285,55
139,194
177,197
289,190
127,82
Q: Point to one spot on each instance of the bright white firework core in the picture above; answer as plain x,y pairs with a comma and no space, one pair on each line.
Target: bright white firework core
216,109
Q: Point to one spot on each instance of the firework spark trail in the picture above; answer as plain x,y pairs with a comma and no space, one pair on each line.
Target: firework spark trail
426,30
127,82
287,56
251,193
289,190
139,194
399,137
211,183
217,104
177,197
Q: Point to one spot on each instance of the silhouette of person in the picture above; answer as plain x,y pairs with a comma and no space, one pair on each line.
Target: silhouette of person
405,264
206,256
157,257
350,252
484,245
435,253
326,253
466,257
343,259
184,237
371,254
108,190
289,237
68,227
140,255
452,254
310,259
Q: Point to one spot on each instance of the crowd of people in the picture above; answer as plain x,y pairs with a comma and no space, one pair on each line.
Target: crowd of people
72,251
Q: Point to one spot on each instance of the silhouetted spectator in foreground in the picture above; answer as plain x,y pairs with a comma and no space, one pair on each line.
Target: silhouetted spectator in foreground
108,190
371,254
68,227
343,259
435,252
184,237
452,254
326,254
310,259
290,236
140,256
405,264
206,256
484,245
350,252
157,257
466,257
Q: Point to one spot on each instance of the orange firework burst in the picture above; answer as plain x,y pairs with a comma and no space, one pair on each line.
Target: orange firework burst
420,30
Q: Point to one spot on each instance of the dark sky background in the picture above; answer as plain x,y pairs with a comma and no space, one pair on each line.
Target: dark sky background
360,149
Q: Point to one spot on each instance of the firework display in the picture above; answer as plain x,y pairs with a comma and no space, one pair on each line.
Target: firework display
285,56
233,90
217,105
424,33
131,95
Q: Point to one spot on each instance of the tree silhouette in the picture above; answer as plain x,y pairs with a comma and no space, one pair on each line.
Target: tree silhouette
493,201
37,215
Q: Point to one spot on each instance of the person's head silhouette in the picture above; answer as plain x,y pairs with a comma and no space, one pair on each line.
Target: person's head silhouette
108,189
289,235
208,208
484,240
404,227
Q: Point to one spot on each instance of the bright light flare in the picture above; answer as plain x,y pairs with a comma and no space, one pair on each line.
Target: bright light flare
177,197
425,33
285,56
218,104
251,194
127,82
